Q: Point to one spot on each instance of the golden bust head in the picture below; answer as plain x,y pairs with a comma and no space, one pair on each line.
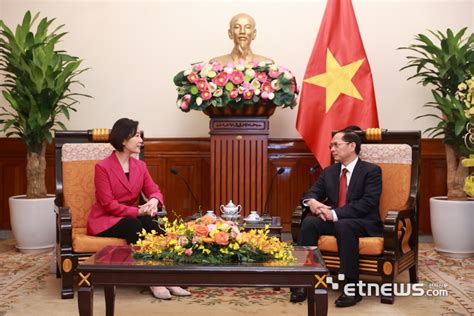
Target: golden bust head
242,31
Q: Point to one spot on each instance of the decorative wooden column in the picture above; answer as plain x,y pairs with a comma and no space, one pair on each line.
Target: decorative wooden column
239,162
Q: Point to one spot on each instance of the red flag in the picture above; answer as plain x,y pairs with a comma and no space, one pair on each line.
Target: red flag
337,90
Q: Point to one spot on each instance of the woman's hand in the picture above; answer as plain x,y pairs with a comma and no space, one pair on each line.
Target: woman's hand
149,208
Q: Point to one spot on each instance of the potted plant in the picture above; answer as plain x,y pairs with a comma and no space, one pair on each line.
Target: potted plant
36,85
446,63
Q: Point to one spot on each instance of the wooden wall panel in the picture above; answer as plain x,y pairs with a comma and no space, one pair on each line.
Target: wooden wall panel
191,157
433,179
13,174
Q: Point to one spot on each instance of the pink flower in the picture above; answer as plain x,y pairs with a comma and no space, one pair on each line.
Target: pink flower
267,87
188,252
206,95
248,94
261,76
237,77
221,79
234,93
201,84
198,67
192,77
184,106
273,73
293,86
217,67
264,95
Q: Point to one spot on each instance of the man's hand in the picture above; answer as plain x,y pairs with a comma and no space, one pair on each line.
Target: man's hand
318,208
326,214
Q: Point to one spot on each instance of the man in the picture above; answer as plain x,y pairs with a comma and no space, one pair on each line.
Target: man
242,31
344,203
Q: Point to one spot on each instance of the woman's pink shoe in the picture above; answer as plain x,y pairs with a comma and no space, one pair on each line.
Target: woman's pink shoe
160,292
177,291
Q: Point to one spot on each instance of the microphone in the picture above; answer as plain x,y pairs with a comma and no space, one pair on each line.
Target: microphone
314,168
265,214
174,171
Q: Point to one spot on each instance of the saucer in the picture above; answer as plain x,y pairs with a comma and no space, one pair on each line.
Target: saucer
231,217
253,221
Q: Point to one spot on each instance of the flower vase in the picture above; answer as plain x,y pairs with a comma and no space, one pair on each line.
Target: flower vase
258,109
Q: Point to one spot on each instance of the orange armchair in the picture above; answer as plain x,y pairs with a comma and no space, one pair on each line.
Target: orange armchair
77,153
398,154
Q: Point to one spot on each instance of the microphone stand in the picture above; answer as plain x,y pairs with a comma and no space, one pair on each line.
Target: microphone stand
265,216
174,171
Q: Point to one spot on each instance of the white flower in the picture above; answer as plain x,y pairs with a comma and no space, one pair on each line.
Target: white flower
274,67
228,70
240,67
255,84
271,95
257,91
205,70
218,92
250,73
262,63
198,100
187,72
288,75
275,84
212,86
204,73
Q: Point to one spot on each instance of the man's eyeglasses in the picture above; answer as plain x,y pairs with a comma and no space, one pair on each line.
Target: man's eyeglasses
336,145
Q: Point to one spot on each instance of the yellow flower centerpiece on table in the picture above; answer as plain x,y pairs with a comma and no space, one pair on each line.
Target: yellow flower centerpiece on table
210,241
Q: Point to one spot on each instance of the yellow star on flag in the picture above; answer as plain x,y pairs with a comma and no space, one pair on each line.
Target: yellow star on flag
337,79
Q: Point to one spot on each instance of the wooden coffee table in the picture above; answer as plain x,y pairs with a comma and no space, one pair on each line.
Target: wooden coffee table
115,266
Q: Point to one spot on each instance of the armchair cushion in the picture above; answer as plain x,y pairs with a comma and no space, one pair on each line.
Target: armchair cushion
81,242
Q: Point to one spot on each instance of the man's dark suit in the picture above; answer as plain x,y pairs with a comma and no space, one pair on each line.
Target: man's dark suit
359,217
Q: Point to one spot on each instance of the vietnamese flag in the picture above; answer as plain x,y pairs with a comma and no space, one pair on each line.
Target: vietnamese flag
337,89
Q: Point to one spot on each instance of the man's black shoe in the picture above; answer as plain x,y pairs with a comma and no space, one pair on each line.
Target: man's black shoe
346,300
297,295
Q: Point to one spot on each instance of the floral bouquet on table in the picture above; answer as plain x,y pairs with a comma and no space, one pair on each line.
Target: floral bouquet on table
212,241
235,85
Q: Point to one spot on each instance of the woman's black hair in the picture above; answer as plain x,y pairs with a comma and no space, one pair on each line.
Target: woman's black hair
122,130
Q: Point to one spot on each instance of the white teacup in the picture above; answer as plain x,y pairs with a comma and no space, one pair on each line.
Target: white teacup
253,216
211,213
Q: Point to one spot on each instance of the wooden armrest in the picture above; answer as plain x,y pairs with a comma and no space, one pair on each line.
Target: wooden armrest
392,242
298,215
64,227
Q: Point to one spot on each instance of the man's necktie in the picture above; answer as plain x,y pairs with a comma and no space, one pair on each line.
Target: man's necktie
341,201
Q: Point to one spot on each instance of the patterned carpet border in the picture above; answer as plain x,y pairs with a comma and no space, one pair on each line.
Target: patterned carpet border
22,274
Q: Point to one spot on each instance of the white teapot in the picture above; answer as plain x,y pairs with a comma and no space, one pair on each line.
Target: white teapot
230,209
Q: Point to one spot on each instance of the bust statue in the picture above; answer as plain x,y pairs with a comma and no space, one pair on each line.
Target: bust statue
242,31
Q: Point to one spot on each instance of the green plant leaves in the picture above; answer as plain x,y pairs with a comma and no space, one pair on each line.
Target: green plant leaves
444,63
38,79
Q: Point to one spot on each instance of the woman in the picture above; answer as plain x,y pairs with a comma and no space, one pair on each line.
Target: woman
119,180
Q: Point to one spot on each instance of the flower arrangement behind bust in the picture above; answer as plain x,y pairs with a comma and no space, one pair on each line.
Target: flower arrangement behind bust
212,241
235,85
